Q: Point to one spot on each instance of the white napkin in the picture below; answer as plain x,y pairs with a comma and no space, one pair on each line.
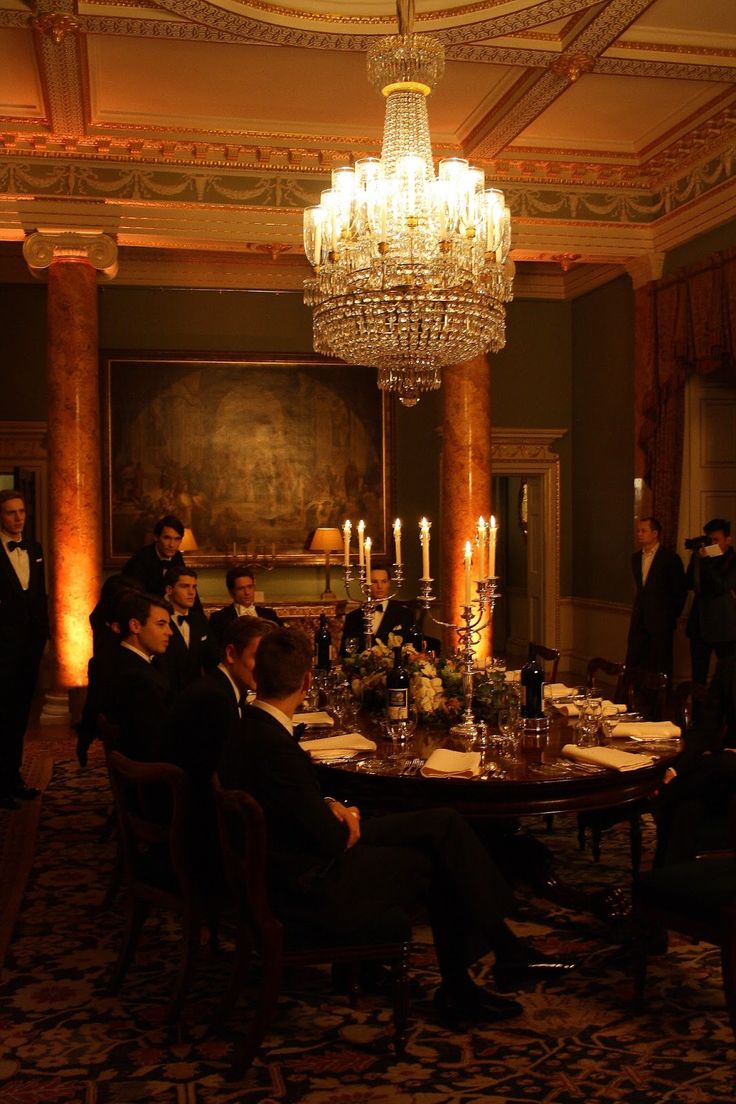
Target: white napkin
648,730
444,763
318,717
558,690
338,747
606,757
608,709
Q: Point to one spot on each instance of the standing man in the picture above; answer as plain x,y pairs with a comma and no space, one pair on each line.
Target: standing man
711,574
661,590
138,693
241,584
188,652
390,616
151,563
24,630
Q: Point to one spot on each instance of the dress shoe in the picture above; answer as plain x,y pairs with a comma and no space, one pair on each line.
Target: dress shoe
459,1010
533,966
24,793
8,802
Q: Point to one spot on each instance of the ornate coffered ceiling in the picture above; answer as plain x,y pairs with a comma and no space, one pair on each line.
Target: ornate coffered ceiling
205,127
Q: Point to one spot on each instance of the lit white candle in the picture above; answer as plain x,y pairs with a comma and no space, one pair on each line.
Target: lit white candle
424,527
492,547
367,546
482,535
346,534
397,540
468,570
361,543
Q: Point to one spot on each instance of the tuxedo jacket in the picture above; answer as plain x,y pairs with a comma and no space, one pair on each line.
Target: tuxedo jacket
145,566
183,664
24,616
658,602
396,614
138,700
203,717
712,616
220,619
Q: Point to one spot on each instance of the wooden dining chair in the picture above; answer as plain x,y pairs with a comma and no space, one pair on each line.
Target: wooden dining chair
646,692
614,673
549,655
263,940
687,697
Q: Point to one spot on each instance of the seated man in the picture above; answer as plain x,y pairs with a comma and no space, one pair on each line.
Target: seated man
138,693
329,871
189,652
390,616
700,783
150,564
241,585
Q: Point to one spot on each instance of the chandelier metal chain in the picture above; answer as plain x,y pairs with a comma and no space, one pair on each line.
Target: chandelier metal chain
411,269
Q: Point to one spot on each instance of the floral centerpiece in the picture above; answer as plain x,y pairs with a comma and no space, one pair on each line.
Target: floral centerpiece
436,684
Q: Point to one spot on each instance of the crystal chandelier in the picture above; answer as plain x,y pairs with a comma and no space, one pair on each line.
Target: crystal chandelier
411,269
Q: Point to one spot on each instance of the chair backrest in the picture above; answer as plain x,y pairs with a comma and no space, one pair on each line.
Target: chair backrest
645,692
550,655
614,671
243,839
685,695
152,804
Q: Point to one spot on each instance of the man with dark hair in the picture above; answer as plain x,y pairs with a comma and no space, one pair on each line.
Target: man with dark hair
188,653
345,878
390,616
138,693
711,574
150,564
659,578
24,630
241,585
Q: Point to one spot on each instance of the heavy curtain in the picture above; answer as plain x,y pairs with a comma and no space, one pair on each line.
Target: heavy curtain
683,324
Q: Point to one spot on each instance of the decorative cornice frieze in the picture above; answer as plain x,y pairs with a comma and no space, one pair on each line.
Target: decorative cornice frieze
43,248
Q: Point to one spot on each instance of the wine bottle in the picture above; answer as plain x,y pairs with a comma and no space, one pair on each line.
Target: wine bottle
532,686
414,637
397,690
322,645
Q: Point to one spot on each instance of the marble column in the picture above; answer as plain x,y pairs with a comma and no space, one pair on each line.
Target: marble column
466,477
72,263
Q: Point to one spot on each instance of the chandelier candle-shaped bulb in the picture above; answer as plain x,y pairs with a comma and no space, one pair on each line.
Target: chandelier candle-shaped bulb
468,573
368,545
397,541
493,530
346,534
361,543
482,531
424,527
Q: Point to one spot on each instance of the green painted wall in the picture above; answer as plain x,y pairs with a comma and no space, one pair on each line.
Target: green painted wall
23,352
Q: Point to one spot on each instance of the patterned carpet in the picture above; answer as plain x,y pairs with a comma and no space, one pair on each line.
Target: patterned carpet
62,1038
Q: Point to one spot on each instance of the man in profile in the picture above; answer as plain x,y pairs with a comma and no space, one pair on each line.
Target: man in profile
138,693
389,616
24,630
347,878
150,564
659,578
188,653
241,585
711,574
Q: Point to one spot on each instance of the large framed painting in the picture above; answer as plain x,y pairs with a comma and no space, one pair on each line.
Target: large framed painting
252,452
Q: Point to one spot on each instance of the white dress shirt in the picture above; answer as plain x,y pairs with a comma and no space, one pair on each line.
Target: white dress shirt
19,559
646,561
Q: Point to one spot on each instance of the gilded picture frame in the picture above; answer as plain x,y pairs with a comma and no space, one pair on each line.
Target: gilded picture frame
251,451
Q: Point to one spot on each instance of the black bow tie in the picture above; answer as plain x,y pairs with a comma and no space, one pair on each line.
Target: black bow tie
181,618
12,545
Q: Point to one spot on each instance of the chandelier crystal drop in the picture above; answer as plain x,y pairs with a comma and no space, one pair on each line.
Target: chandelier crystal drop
411,268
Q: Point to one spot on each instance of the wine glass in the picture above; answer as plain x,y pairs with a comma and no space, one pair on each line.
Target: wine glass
508,724
400,730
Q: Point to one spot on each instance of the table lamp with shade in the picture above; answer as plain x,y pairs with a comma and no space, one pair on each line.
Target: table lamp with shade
326,540
188,541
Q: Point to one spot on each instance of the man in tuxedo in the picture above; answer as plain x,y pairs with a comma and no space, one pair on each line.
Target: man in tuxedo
348,878
138,698
150,564
209,710
188,653
390,616
711,623
24,630
241,585
661,590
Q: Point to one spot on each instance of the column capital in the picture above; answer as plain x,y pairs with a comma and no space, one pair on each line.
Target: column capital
44,247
